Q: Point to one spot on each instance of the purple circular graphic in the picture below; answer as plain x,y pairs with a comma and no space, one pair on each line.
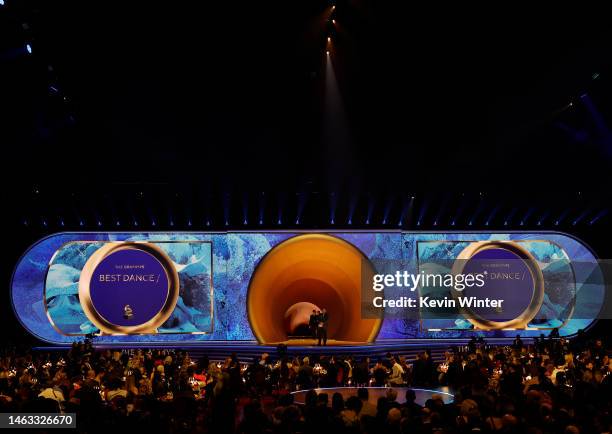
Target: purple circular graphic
129,287
507,277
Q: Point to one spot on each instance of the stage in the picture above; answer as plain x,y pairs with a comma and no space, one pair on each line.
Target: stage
422,395
248,350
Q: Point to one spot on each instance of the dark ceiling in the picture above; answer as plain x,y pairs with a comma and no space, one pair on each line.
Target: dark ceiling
219,102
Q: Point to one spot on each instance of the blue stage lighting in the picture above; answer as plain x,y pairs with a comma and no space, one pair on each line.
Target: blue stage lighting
580,217
560,219
598,216
29,48
370,210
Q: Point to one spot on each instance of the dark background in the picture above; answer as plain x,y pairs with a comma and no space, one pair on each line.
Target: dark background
223,116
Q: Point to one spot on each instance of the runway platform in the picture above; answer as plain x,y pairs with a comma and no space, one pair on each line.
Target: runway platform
422,395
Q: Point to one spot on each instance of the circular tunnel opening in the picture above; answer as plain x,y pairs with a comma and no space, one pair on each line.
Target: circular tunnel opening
307,272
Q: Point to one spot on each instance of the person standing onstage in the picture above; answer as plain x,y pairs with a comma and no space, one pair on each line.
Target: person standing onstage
312,323
322,326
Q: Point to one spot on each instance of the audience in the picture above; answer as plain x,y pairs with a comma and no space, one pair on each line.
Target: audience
553,386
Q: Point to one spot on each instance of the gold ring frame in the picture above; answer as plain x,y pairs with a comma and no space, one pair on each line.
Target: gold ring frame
105,326
537,298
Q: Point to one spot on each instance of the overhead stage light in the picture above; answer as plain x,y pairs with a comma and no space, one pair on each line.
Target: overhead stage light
29,48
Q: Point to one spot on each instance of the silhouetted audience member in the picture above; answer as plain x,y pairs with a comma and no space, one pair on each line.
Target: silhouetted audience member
553,386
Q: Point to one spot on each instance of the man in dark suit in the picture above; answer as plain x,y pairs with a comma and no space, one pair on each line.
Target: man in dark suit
312,323
323,318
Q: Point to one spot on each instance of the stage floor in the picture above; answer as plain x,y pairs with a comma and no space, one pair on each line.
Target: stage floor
422,395
248,350
310,342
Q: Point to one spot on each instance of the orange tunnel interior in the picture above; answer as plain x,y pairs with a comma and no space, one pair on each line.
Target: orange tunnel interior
305,271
